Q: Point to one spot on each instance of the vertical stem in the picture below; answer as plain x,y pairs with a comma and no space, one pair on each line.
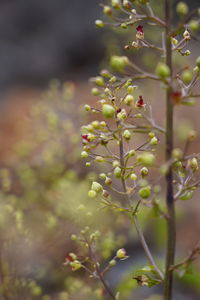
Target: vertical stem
171,227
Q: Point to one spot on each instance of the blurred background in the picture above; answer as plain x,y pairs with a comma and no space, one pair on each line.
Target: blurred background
48,50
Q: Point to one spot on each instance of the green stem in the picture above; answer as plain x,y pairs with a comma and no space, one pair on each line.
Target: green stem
171,226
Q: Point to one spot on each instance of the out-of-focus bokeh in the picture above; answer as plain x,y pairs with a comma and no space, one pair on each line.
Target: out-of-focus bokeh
48,50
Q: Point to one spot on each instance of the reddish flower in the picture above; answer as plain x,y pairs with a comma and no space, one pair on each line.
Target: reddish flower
176,96
139,29
140,103
85,138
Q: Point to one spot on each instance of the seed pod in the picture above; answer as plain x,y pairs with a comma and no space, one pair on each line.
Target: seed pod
129,99
186,76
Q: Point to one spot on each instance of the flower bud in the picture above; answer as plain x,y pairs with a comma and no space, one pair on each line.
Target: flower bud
144,171
84,154
116,3
108,181
76,265
95,124
107,10
192,135
187,195
116,163
87,107
112,262
177,153
154,141
131,153
122,115
186,35
92,194
194,25
187,52
108,111
73,237
99,159
127,134
174,41
102,176
133,176
117,172
164,169
99,23
146,159
186,76
145,192
94,91
129,99
97,187
198,62
182,8
194,164
118,63
121,253
162,70
99,81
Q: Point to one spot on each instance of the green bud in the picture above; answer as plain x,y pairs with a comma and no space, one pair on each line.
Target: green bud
99,159
92,194
121,253
162,70
107,10
117,172
198,62
112,262
182,8
122,115
131,153
129,99
164,169
124,25
76,265
145,192
194,164
187,52
151,134
94,91
108,181
194,25
133,176
116,163
127,134
88,164
146,159
116,3
99,23
154,141
73,237
97,187
186,76
177,153
186,195
95,124
144,171
113,79
84,154
99,81
87,107
118,63
108,111
102,176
